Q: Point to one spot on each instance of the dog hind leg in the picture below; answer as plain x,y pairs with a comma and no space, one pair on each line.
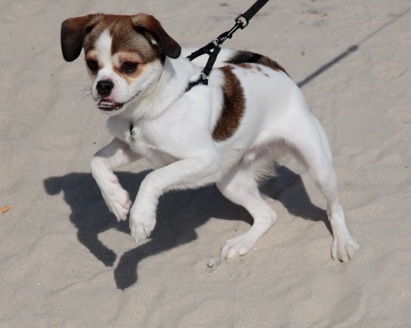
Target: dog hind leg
241,187
312,145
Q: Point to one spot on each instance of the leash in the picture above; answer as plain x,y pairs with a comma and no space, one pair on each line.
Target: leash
213,48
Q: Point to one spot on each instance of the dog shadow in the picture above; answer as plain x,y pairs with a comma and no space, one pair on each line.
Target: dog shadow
179,214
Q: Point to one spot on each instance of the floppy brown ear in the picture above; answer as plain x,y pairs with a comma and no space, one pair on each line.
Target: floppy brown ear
148,23
73,31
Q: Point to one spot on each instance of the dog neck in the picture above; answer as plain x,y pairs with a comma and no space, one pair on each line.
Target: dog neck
170,86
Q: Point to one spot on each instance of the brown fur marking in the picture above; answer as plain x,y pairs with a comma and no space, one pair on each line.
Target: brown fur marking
233,106
242,58
129,33
124,36
271,63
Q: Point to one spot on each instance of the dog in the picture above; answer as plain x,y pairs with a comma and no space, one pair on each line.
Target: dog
228,132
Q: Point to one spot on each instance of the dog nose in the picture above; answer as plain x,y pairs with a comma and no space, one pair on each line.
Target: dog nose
104,88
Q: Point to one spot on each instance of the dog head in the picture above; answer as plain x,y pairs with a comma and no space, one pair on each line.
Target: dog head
124,55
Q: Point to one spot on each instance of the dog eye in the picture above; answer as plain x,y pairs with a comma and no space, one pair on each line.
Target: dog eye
92,64
129,67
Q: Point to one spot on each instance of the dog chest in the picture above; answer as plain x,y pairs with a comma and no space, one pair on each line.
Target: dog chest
149,147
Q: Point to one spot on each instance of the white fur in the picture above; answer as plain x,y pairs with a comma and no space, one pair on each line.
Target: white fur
173,130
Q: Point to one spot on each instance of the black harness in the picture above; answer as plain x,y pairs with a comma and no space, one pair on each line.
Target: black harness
213,48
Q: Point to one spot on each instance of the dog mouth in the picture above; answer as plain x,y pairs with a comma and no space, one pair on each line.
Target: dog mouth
109,105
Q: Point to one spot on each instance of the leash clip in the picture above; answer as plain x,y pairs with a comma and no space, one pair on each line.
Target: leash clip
241,21
213,48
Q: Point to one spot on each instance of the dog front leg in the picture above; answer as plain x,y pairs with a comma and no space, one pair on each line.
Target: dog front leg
103,163
183,174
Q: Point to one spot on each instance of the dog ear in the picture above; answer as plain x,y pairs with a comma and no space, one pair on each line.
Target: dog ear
151,25
73,31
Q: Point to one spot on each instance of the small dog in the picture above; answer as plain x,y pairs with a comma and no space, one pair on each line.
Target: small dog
228,132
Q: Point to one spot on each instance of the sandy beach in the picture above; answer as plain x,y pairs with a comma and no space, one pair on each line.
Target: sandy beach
66,262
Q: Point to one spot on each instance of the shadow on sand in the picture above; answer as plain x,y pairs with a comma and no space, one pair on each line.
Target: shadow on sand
178,215
350,50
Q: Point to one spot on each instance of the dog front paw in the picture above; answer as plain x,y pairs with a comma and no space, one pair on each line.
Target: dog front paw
141,225
344,248
118,202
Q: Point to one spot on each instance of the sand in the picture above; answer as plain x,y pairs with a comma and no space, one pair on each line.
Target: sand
66,262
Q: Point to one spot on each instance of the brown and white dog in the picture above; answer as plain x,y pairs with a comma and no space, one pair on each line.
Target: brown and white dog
227,133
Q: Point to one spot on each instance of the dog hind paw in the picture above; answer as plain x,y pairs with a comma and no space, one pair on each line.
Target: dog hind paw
236,247
343,249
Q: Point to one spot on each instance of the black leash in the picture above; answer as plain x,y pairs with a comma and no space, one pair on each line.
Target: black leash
213,48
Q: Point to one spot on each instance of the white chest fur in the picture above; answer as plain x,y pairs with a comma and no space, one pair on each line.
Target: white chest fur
141,139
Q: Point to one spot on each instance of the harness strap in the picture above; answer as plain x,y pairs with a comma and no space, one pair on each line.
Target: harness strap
203,78
213,48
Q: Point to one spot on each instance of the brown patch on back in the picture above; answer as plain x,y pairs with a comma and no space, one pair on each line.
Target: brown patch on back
243,58
246,65
233,106
271,63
